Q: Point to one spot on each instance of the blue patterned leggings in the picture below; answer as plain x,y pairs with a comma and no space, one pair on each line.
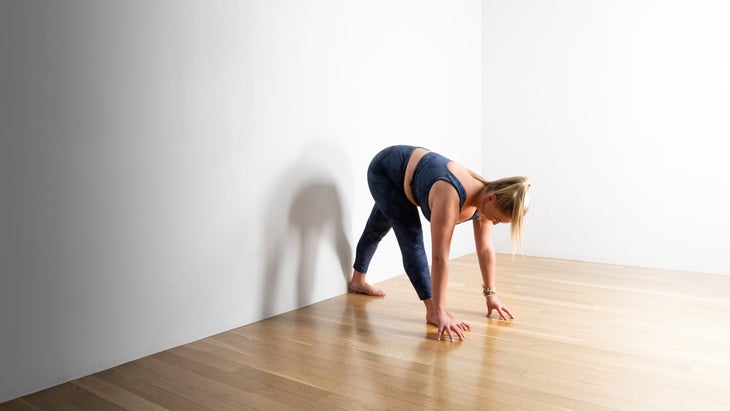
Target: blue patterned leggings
392,209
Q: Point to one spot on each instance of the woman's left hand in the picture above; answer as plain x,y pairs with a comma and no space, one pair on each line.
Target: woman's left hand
494,304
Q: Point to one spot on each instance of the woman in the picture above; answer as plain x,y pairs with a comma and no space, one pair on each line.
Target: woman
403,178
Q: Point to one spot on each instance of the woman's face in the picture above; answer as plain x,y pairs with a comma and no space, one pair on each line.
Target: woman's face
491,212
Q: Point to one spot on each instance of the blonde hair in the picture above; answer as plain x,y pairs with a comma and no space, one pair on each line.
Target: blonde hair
512,199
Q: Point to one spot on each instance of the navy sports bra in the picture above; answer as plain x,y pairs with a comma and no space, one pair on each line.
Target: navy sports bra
430,169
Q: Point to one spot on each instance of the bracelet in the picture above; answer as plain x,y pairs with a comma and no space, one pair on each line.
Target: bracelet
489,291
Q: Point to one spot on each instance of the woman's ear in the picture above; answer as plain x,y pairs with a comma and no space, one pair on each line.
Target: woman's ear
487,200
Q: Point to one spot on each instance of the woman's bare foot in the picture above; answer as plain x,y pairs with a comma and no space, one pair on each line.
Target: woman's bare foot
359,286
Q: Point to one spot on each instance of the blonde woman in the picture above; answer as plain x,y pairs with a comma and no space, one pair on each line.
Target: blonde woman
403,178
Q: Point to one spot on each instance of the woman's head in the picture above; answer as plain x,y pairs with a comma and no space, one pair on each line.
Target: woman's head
505,200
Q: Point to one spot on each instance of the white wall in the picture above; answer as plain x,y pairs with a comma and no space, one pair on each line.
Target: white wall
618,111
173,169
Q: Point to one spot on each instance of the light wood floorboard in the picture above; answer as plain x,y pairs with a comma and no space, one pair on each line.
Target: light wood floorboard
586,337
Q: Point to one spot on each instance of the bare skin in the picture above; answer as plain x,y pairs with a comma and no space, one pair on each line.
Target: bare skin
358,285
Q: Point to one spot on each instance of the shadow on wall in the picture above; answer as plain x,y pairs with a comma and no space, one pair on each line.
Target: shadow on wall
306,213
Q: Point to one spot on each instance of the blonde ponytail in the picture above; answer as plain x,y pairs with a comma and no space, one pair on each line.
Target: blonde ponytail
512,199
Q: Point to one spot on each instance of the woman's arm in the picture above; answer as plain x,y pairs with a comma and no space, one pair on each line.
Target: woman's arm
488,265
444,203
485,251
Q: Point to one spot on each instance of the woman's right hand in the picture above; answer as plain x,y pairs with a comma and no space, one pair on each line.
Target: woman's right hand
449,324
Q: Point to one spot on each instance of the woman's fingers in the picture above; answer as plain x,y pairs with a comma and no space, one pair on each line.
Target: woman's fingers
460,332
451,325
503,313
446,331
500,310
456,326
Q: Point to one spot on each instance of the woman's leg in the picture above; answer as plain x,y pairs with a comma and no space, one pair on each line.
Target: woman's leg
376,228
393,210
396,211
407,227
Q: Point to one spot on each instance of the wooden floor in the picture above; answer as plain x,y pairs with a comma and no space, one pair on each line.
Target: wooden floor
586,337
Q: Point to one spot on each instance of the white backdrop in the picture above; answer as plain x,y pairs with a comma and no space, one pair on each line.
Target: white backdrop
171,170
619,112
